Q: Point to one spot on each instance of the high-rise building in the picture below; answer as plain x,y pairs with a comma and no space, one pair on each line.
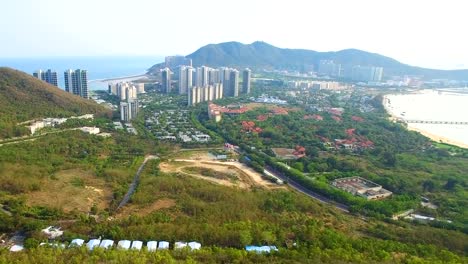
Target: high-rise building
76,82
166,80
173,62
204,94
233,83
367,73
48,76
213,76
246,76
129,110
330,68
185,79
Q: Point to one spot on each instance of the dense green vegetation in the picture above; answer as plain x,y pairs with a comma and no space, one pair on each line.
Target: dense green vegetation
176,207
23,98
404,162
224,220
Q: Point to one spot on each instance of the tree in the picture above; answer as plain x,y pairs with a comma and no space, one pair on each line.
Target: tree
428,185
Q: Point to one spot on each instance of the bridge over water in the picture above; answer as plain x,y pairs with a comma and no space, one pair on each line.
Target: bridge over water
416,121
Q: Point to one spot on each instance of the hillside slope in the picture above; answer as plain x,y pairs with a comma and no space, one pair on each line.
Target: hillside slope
23,97
263,55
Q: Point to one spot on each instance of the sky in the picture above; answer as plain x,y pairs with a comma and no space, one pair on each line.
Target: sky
429,33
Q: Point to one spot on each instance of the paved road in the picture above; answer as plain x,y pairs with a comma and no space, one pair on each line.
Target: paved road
306,191
17,140
136,180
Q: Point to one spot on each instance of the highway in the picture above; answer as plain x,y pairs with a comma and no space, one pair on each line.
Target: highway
306,191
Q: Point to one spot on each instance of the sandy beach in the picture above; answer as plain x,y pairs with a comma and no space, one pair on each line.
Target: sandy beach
388,107
437,138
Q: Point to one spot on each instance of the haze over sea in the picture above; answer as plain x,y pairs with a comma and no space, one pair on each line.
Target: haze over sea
102,67
434,105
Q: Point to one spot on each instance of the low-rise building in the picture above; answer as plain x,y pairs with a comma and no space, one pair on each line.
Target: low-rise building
361,187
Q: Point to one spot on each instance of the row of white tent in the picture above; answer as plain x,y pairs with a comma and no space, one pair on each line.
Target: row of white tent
134,245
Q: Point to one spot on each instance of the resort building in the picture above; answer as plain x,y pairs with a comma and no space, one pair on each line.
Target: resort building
361,187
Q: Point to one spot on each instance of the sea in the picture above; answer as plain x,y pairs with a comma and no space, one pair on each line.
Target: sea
434,105
98,67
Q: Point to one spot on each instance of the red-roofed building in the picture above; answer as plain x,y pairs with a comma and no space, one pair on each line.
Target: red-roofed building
336,118
280,111
299,151
315,117
357,118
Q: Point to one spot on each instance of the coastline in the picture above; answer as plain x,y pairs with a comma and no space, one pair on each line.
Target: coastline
436,138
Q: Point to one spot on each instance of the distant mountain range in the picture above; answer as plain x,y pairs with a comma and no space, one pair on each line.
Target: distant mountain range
23,97
261,55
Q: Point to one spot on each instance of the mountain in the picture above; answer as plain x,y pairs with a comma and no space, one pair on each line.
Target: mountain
23,97
263,55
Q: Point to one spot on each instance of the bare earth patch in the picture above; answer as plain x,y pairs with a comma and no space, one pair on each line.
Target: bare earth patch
73,189
247,177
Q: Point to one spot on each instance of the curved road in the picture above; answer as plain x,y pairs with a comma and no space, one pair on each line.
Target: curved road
306,191
136,180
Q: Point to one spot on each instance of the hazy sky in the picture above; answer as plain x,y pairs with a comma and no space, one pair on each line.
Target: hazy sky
425,33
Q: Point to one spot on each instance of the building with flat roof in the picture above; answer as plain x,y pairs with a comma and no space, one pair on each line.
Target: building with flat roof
362,187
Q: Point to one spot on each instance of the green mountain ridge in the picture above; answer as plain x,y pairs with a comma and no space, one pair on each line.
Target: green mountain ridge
24,97
262,55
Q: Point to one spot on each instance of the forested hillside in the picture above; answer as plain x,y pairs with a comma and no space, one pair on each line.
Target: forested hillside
23,97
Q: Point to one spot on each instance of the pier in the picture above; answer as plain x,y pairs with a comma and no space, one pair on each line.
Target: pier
415,121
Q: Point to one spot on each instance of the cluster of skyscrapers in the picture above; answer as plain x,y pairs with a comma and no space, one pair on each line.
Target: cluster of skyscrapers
128,94
48,76
206,84
76,81
355,72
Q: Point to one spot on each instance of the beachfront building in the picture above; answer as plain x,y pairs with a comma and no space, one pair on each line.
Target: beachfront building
76,82
48,76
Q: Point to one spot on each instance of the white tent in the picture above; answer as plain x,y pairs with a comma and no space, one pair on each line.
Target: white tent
52,245
76,242
107,243
194,245
152,245
163,245
16,248
137,245
124,244
93,243
180,245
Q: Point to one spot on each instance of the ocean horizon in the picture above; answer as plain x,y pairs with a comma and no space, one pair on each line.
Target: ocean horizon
98,67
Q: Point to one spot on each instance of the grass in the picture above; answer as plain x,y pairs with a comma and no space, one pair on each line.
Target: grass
71,190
